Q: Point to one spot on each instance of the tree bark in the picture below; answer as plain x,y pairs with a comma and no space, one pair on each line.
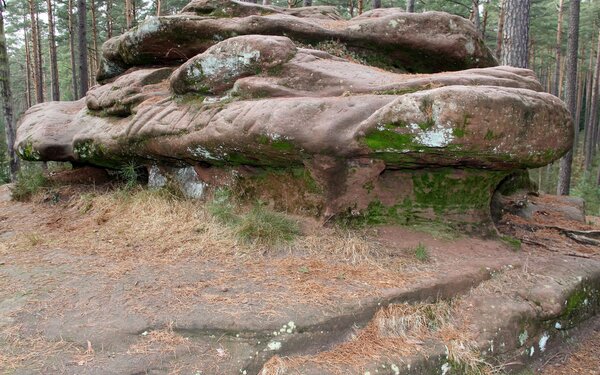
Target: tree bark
129,14
71,30
27,67
37,63
410,6
515,37
109,20
475,15
564,174
484,21
360,7
158,8
500,30
95,58
376,4
7,109
558,50
307,3
589,127
83,55
53,59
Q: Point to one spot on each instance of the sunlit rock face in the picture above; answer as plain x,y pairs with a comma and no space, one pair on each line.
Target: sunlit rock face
300,101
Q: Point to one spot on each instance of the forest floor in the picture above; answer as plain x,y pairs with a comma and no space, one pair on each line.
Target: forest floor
95,280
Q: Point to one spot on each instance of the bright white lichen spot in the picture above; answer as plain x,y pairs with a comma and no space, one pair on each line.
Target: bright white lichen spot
395,369
445,368
436,136
393,23
557,325
470,47
274,345
523,337
532,351
543,341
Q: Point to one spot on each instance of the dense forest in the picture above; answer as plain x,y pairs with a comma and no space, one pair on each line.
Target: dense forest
47,62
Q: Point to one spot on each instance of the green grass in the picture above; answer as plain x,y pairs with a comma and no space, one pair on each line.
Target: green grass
514,243
30,181
266,227
259,225
421,253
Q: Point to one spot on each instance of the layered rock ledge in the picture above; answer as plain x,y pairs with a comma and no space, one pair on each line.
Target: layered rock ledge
338,135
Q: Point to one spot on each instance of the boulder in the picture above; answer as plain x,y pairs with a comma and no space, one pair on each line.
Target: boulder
343,138
412,42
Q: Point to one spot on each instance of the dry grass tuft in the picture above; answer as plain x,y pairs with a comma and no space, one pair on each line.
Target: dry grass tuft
413,320
160,341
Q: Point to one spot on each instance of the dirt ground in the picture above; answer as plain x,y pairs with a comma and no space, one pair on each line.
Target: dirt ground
97,281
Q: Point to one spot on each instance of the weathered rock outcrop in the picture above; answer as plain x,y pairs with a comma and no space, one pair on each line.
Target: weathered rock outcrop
372,143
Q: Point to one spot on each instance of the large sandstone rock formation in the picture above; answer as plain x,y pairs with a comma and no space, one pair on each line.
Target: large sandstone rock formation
338,135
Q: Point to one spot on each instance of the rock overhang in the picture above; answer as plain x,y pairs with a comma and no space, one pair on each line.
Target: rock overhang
267,102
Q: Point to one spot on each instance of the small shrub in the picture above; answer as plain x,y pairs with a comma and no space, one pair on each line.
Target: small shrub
221,207
129,174
421,253
265,227
30,181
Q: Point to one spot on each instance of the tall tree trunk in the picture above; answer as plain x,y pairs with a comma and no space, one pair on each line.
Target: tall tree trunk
129,14
588,90
158,6
484,21
95,58
564,174
82,39
109,20
558,50
53,59
591,124
515,38
475,15
500,33
360,7
27,67
376,4
410,6
7,109
71,27
37,63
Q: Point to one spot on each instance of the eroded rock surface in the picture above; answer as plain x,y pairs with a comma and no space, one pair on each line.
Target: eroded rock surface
368,139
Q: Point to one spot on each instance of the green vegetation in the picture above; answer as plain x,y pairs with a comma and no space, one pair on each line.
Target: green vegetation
421,253
129,173
259,225
514,243
30,181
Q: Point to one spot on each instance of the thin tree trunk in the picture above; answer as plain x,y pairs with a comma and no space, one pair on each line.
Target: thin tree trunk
564,174
83,58
484,20
376,4
53,59
351,4
558,50
7,109
515,38
360,7
500,33
27,67
74,85
410,6
475,15
589,127
158,6
39,49
95,58
588,91
37,64
109,20
129,14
